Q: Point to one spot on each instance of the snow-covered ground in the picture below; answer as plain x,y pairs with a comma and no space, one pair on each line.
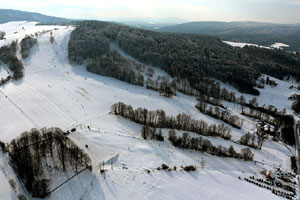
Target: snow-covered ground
276,45
279,45
54,93
270,95
3,71
242,44
19,29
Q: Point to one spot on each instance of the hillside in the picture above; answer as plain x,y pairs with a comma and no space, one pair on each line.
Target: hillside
55,93
186,56
265,34
7,15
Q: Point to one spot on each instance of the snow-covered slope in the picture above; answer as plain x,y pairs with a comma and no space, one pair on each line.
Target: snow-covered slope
242,44
277,45
54,93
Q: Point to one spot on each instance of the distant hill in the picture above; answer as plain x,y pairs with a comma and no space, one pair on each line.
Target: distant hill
250,32
152,24
7,15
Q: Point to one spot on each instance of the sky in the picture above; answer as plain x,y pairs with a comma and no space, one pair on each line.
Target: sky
276,11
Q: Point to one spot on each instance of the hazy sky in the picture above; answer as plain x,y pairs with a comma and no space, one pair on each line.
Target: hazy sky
281,11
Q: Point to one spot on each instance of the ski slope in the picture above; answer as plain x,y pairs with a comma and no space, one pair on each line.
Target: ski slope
276,45
55,94
242,44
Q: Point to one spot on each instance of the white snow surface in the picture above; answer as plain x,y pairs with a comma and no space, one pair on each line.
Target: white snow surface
55,94
242,44
3,71
276,45
279,45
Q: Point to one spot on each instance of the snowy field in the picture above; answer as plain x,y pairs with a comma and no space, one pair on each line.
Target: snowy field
54,93
242,44
279,45
3,71
276,45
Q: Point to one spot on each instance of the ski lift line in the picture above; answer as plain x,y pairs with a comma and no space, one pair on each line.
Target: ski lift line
20,180
42,95
63,183
89,189
15,105
286,147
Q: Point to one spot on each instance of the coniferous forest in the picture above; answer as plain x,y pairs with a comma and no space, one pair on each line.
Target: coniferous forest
186,56
8,57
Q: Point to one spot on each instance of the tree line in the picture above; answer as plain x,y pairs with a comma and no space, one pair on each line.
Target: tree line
221,114
252,140
162,85
36,153
210,100
204,145
196,143
159,119
256,114
148,132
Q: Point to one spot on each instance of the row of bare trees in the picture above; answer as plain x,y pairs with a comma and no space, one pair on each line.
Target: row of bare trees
162,85
256,114
221,114
252,140
204,145
159,119
210,100
148,132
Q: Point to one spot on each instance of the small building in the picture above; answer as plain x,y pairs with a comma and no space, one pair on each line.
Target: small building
270,175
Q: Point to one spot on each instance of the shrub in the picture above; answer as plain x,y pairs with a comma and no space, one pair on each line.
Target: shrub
189,168
12,183
22,197
164,166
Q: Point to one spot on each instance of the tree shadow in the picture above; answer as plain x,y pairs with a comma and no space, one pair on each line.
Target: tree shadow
84,186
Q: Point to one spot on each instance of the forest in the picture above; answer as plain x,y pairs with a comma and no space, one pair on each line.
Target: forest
185,56
26,44
116,66
8,57
259,33
37,155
